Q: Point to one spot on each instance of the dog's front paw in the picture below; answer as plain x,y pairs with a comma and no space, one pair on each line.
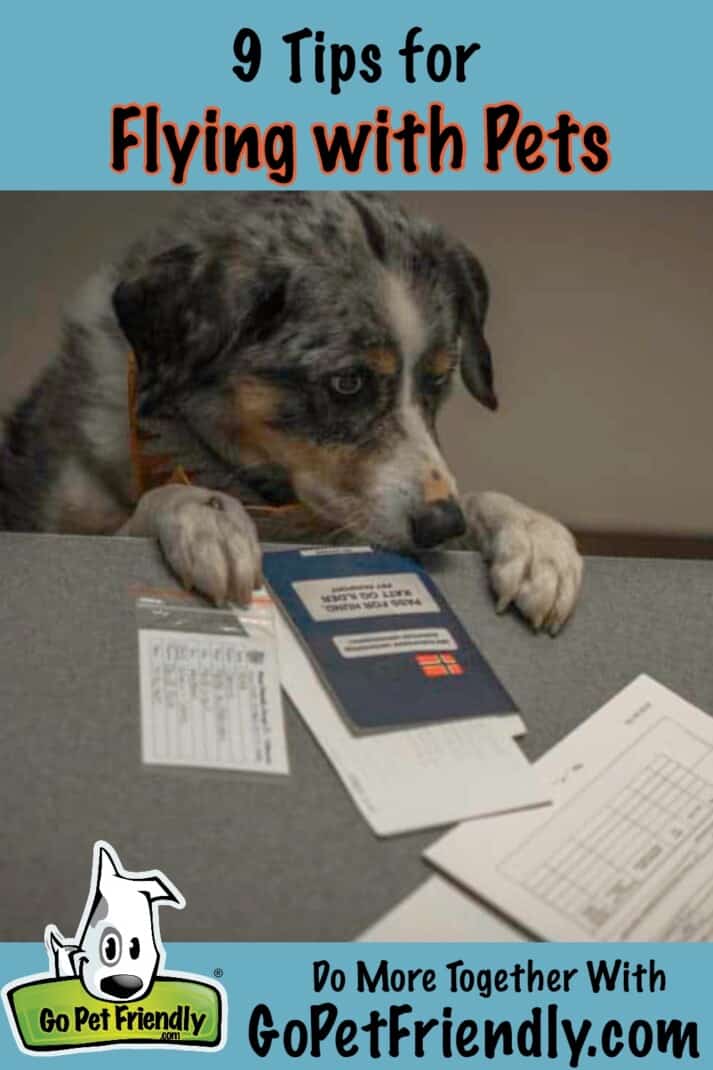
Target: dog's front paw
208,539
533,560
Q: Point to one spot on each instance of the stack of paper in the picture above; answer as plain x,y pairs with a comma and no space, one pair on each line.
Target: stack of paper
416,778
625,853
404,705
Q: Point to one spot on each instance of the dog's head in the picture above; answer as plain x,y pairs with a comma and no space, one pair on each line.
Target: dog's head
119,945
311,343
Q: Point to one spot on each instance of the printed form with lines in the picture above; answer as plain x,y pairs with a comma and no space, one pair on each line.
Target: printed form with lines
626,850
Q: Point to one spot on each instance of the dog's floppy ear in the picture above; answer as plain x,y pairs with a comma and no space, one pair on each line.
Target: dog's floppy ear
174,315
186,307
472,295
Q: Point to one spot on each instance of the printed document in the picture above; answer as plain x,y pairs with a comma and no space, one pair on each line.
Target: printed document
626,851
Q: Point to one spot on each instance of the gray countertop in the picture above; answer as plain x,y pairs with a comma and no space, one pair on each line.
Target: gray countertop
263,858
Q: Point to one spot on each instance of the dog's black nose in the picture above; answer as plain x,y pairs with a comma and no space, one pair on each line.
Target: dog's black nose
122,985
437,522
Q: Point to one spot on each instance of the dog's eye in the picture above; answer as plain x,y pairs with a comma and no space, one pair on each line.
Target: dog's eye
110,947
134,948
347,384
437,382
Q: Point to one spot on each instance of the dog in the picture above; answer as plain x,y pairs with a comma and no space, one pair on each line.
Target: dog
289,354
117,951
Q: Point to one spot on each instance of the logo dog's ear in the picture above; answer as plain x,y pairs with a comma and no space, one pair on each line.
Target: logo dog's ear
54,941
161,890
107,863
472,296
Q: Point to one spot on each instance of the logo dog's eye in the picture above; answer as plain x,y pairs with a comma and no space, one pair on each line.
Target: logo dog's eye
134,948
110,947
347,384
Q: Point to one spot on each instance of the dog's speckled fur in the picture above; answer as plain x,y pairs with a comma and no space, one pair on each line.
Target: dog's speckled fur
292,349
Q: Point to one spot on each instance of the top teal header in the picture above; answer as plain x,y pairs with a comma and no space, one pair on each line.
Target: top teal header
221,95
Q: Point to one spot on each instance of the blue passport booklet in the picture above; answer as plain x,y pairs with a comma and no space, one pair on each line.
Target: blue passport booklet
383,638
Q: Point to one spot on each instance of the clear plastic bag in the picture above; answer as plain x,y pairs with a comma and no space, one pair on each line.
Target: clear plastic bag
210,685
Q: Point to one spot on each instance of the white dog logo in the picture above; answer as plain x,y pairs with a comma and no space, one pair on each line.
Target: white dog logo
117,950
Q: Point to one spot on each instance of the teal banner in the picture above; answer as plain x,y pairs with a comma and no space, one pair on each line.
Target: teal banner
590,1006
513,95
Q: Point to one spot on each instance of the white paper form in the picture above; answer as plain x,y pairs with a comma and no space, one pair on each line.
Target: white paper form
626,852
210,691
420,777
438,911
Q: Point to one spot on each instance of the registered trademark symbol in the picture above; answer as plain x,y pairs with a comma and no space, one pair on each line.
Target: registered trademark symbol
218,972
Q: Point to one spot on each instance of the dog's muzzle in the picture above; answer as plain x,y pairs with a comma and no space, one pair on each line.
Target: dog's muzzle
121,985
437,522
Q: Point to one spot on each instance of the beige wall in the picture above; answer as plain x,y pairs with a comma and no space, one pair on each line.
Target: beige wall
601,325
